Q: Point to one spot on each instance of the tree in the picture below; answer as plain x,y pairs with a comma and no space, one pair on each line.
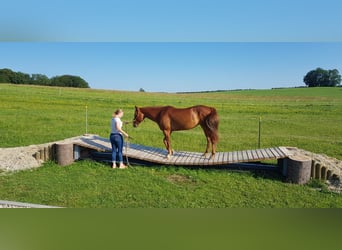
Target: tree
69,81
39,79
21,78
334,78
322,78
9,76
6,75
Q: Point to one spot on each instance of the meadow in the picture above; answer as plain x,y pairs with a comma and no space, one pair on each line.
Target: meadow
307,118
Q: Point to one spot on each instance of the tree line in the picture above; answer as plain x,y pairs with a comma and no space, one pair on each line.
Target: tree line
322,78
9,76
314,78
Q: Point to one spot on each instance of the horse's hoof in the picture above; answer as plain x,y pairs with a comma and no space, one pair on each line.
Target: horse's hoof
211,157
168,156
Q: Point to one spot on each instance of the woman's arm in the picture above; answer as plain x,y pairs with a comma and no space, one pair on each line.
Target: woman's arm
120,130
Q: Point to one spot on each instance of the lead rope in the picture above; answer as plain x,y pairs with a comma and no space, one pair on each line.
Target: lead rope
127,145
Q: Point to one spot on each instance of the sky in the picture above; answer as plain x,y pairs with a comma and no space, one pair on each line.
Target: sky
173,46
174,67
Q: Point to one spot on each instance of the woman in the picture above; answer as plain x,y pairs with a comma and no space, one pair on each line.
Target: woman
116,138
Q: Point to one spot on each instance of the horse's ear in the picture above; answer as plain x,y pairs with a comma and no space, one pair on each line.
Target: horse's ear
136,108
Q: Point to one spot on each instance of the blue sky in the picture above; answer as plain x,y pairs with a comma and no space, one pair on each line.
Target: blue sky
173,67
173,45
171,20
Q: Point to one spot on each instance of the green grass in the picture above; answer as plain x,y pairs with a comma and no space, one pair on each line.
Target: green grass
89,184
307,118
304,118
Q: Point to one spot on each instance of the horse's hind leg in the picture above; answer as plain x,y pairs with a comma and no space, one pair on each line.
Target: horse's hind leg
207,136
208,146
210,141
213,149
167,143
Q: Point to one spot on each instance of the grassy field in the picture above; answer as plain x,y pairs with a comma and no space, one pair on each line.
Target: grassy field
307,118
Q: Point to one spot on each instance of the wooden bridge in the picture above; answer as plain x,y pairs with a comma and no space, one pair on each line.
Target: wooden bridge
294,165
157,156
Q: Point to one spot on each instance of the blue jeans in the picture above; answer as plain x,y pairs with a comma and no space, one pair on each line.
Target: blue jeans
117,145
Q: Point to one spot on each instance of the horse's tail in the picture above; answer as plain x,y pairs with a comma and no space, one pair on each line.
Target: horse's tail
212,122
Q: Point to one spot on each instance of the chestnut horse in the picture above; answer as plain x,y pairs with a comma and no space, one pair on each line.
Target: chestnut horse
172,119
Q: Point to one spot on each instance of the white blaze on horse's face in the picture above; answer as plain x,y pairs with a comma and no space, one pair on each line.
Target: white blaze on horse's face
138,117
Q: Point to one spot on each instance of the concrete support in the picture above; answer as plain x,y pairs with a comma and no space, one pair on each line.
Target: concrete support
65,153
298,169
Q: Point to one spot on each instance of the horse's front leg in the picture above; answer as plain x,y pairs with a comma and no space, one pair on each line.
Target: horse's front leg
167,143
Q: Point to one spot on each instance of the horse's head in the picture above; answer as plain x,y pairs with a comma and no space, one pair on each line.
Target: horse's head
138,117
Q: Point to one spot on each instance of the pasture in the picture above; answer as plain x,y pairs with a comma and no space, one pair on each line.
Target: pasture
307,118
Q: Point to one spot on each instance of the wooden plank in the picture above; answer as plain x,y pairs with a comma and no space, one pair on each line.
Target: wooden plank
181,158
141,155
268,153
240,156
275,153
258,154
221,158
136,147
244,156
238,153
264,154
225,157
195,158
285,151
230,157
288,151
212,160
235,157
145,154
156,157
249,155
255,155
190,158
159,153
205,161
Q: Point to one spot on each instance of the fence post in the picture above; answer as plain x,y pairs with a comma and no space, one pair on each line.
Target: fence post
86,118
259,138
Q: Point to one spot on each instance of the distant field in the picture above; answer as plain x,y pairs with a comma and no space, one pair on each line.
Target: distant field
306,118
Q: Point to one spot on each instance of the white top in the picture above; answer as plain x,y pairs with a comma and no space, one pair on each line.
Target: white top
116,122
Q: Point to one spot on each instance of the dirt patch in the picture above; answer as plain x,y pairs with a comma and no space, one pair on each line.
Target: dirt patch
180,179
20,158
